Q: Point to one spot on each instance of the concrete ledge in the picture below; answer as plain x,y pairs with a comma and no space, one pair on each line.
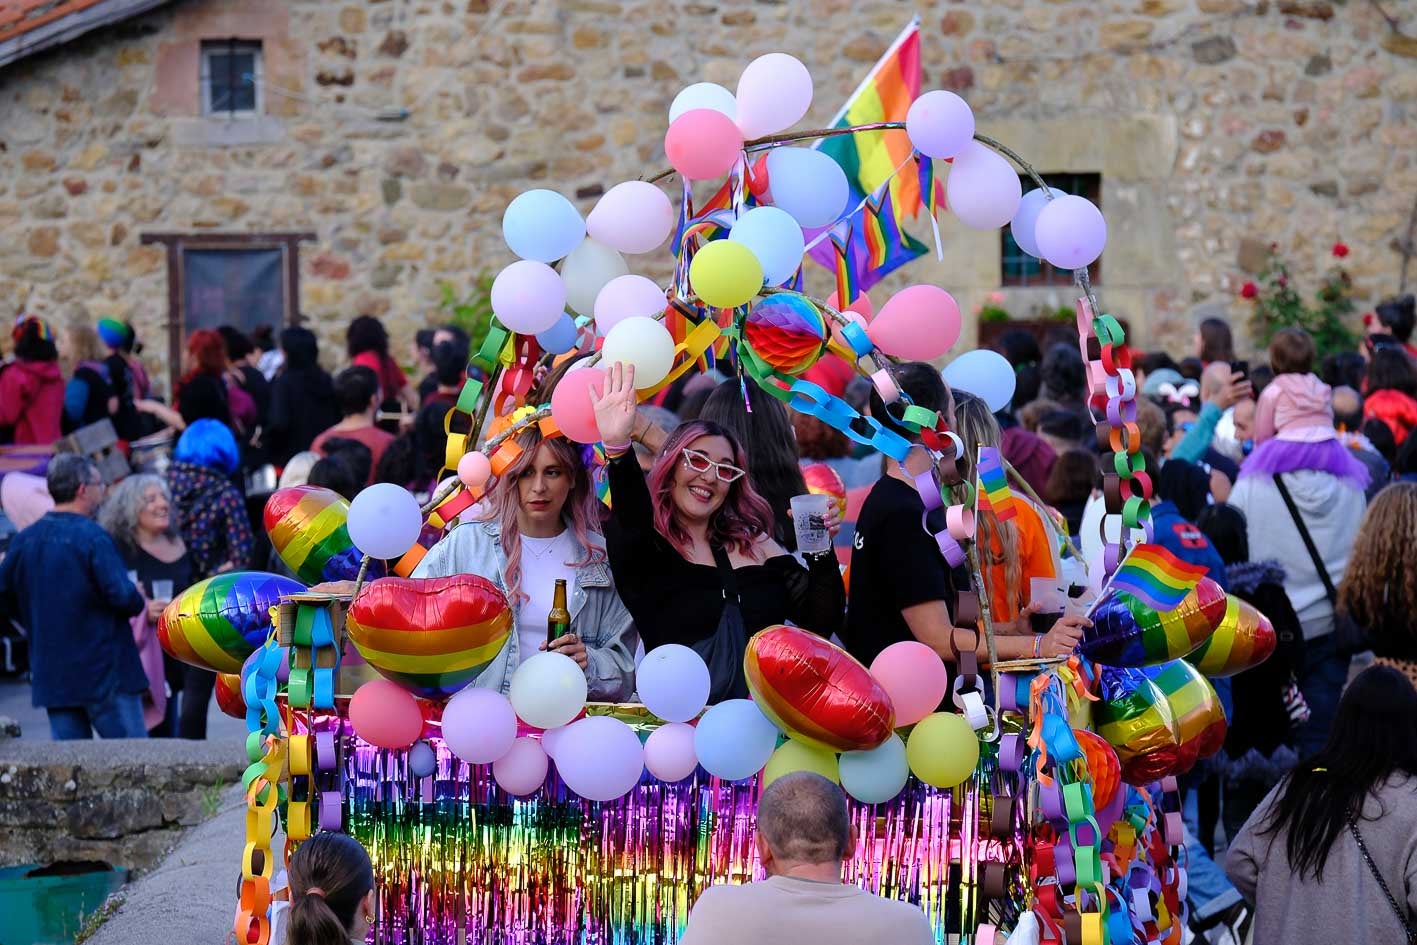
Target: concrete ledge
123,802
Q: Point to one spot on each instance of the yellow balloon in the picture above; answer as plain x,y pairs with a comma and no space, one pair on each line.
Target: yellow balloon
793,755
943,750
725,274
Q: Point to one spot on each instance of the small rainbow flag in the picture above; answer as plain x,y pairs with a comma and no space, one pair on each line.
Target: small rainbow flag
846,286
1156,577
994,491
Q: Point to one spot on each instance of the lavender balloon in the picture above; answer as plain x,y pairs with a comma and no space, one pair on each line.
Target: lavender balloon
1026,218
983,188
528,296
479,725
1071,232
939,124
669,752
600,758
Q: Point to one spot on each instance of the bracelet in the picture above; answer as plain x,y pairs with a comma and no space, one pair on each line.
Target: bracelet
1038,647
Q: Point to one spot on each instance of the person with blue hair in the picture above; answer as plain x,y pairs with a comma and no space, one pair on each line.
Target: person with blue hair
211,517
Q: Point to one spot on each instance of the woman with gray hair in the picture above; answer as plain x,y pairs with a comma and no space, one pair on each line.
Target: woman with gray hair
138,514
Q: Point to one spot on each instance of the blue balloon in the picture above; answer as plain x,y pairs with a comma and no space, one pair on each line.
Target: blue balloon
542,225
807,184
878,775
560,337
734,740
984,373
775,238
422,760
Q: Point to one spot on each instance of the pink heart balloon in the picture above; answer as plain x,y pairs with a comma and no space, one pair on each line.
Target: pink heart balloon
919,322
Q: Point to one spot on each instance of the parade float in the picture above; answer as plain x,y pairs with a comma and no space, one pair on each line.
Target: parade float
1049,813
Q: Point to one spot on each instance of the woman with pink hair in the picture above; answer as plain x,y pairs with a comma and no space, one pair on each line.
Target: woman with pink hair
692,550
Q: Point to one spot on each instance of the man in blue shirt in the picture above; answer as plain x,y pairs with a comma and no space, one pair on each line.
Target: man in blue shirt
64,581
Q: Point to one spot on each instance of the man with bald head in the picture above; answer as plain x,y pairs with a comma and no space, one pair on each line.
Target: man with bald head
1348,419
803,836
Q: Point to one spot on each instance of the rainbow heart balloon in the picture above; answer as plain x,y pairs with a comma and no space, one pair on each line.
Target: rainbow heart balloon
431,635
215,624
786,332
1126,632
1200,718
307,529
816,691
1244,640
821,479
1136,719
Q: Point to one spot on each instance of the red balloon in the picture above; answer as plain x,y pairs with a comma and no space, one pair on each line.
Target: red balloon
571,405
228,695
815,691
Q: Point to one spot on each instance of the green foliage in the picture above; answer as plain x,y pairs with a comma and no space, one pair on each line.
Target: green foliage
993,313
1278,304
473,312
1063,313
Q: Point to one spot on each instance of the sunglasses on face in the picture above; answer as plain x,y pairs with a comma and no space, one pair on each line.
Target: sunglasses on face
700,463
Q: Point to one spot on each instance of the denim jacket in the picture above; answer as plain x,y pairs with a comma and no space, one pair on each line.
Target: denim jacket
64,581
597,615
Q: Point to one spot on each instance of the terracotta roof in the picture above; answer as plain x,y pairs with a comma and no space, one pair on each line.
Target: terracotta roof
28,26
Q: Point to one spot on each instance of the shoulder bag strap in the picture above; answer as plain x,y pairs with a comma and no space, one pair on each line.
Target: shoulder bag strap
1382,883
1329,591
725,575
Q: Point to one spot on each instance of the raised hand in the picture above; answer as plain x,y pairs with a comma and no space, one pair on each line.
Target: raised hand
615,409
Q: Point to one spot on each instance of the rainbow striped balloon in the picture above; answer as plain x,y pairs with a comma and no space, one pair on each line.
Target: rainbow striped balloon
430,635
1126,632
215,624
1200,718
1135,718
307,529
816,691
1244,640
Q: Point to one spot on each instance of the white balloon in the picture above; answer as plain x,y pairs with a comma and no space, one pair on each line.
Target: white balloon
627,297
1071,232
548,690
984,373
775,238
982,189
643,342
673,682
703,95
586,271
634,216
384,521
1025,219
807,184
774,92
939,124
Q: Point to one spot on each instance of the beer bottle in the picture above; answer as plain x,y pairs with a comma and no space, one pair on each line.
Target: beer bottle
558,620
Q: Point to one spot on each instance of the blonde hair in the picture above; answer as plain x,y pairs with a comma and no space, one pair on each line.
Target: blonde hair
977,427
83,343
1379,587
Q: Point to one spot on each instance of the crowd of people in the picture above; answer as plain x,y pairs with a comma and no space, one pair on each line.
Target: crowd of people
1289,481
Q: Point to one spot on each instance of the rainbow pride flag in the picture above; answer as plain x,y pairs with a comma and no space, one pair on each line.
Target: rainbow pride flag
994,491
1156,577
871,160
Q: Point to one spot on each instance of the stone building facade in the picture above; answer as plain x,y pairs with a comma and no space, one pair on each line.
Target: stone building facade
392,133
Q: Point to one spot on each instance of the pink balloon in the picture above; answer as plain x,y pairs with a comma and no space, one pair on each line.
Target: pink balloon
633,217
625,297
919,323
385,714
862,306
851,315
983,189
522,769
669,752
528,296
703,144
1070,232
474,469
571,407
915,678
479,725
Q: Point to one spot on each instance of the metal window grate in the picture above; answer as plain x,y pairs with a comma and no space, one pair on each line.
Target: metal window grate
1024,271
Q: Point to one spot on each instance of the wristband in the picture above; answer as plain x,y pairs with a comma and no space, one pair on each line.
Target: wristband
1038,647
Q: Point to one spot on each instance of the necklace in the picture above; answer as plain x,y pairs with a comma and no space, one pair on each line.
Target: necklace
541,547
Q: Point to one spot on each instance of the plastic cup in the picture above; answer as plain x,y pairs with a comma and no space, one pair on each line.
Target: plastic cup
162,590
809,521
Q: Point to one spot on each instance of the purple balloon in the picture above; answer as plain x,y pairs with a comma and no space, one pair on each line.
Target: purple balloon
939,124
479,725
1026,219
528,296
522,769
600,758
1070,232
669,752
983,189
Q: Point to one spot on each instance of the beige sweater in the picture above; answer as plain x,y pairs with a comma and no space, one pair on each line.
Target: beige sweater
783,910
1348,906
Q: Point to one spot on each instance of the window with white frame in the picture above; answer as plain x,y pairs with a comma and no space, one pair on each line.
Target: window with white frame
231,78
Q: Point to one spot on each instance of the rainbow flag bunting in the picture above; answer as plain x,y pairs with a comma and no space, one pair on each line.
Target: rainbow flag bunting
1156,577
846,288
994,491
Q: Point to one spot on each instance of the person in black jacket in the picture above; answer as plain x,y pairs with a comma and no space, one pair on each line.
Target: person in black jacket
1259,748
302,398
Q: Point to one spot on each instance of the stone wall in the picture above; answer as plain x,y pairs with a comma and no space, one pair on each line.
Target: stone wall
124,803
1218,126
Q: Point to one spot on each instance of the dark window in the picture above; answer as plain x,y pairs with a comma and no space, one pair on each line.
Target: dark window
1021,269
231,78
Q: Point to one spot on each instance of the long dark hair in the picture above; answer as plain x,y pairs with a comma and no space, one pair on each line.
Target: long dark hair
768,439
1374,736
330,874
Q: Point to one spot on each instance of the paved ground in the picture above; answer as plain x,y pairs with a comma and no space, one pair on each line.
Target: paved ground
34,724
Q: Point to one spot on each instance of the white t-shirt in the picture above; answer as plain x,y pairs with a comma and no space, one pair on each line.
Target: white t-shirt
544,560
